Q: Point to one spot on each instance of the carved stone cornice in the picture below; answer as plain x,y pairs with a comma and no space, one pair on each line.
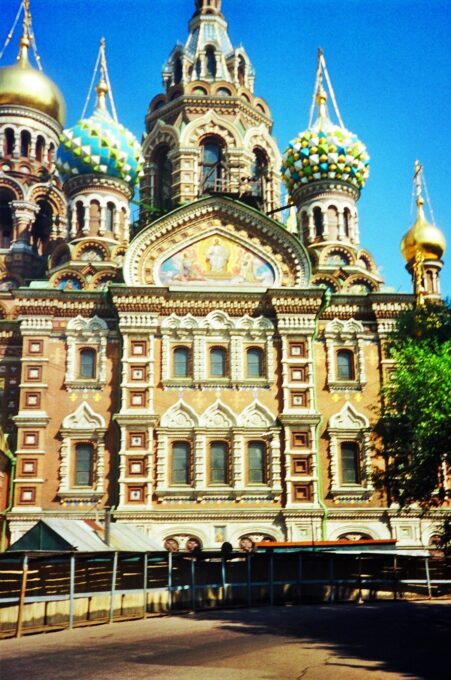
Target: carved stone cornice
92,182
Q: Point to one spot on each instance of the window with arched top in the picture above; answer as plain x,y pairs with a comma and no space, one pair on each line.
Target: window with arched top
181,362
198,69
345,364
219,462
40,147
25,143
241,71
350,466
332,222
178,71
256,454
9,140
6,218
51,153
94,216
163,179
88,361
318,221
259,172
254,362
42,227
180,462
210,62
80,215
347,222
218,362
84,465
109,216
211,162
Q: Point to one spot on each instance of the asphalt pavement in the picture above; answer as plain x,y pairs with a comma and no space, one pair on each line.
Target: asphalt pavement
314,642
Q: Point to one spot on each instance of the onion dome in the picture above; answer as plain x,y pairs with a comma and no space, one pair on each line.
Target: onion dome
100,145
423,237
23,85
324,151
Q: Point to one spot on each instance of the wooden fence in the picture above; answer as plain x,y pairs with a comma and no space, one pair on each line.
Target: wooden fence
40,591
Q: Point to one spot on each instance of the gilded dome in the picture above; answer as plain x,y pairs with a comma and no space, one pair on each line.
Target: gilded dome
23,85
324,151
423,237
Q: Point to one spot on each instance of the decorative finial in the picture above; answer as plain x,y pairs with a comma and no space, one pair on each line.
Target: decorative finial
25,39
102,87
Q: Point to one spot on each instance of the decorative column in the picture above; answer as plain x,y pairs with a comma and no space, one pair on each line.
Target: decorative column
24,214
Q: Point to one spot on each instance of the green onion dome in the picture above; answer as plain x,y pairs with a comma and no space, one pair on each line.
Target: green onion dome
324,151
100,145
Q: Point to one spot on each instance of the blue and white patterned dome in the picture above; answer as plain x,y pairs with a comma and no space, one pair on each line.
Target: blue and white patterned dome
100,145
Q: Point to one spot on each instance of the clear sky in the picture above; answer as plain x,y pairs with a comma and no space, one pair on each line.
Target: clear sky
389,61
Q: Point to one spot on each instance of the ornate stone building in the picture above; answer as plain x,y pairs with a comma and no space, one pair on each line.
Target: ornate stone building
211,372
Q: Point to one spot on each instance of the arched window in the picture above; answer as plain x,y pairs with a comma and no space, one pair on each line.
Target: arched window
94,216
211,164
345,364
83,468
210,59
109,216
9,142
163,179
350,463
218,361
218,462
6,218
42,226
259,172
198,69
178,71
180,463
25,143
254,356
80,213
181,362
318,221
224,92
347,222
40,146
241,71
256,462
88,363
332,222
50,153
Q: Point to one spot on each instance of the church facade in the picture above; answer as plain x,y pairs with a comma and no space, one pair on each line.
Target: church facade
211,373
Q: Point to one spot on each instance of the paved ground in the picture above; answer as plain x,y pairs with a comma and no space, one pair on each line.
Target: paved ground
382,642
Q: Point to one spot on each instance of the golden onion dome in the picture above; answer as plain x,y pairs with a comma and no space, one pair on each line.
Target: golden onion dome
23,85
424,238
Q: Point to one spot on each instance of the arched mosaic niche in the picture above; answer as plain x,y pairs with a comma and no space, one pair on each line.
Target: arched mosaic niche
215,260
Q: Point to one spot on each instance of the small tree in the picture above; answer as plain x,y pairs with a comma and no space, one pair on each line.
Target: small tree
414,427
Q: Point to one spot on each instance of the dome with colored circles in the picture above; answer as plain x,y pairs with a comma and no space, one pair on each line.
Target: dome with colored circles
324,151
100,145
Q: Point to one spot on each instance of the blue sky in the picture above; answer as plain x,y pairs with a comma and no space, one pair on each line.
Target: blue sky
389,61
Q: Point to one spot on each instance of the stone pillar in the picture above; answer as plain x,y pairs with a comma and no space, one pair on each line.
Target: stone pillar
24,214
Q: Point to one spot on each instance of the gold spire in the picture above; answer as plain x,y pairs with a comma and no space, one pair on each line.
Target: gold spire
24,44
102,87
423,237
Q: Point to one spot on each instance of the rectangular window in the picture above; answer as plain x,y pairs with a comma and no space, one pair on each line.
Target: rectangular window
299,399
83,472
298,374
350,463
345,365
301,466
138,348
297,349
218,462
301,492
218,361
32,399
88,360
181,359
256,462
29,467
135,494
27,495
33,373
300,440
137,373
136,466
30,439
138,399
180,463
35,346
137,440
